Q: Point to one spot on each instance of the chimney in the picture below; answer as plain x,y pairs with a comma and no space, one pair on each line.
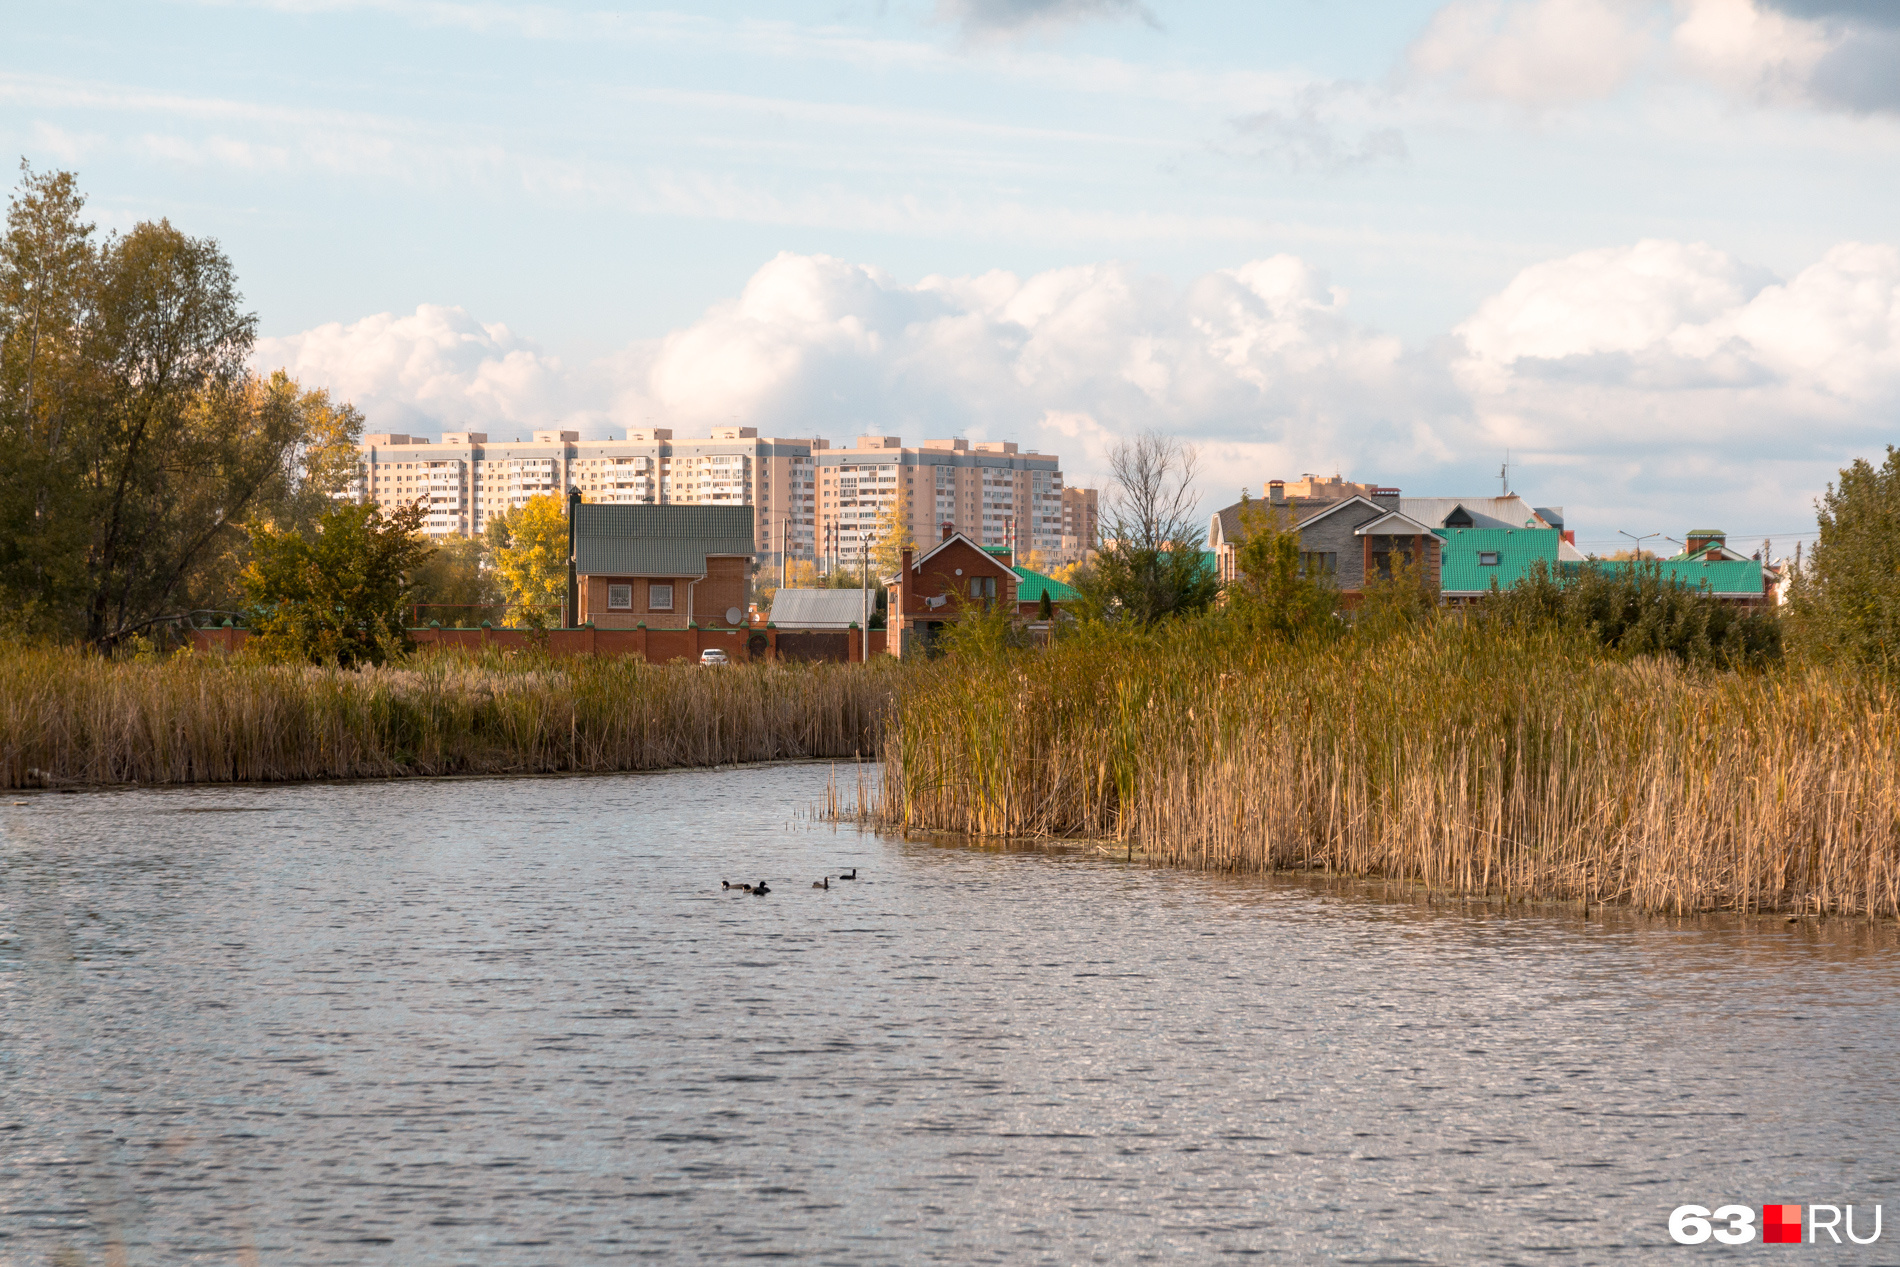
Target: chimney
1276,492
904,572
948,528
1702,538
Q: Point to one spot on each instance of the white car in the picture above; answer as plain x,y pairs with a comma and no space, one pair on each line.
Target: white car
713,655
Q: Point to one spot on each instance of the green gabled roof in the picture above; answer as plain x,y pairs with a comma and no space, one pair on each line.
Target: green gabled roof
1718,576
1031,586
1518,549
657,540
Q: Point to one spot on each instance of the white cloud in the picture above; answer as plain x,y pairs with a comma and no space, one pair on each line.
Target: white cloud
1842,56
1662,379
1832,54
1535,53
434,370
1010,16
1675,361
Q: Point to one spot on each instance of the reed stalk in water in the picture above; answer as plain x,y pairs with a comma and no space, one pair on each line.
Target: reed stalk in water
1475,760
66,717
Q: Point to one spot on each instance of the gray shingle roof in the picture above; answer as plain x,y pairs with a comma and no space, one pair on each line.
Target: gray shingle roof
657,540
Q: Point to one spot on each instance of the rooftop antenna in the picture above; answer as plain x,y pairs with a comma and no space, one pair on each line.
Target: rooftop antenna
1504,474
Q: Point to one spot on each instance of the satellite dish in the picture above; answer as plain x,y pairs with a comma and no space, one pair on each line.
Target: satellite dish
734,616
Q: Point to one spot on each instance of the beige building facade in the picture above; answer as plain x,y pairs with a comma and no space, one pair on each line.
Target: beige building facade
811,501
993,492
467,478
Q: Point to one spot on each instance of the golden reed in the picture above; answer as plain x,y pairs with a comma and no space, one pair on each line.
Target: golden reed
1513,765
69,718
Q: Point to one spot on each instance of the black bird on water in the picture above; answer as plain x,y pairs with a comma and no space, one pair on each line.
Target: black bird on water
743,888
851,875
759,889
822,884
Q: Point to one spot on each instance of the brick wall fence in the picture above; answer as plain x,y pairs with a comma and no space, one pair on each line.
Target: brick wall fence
657,645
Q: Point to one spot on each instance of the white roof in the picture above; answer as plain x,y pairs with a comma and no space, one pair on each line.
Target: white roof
1485,512
820,609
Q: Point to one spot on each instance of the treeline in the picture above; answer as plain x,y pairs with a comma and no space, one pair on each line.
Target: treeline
151,479
1843,595
135,439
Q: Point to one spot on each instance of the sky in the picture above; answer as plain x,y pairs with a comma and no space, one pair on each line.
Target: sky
1646,251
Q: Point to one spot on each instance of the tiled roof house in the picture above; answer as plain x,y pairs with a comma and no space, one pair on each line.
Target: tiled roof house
658,566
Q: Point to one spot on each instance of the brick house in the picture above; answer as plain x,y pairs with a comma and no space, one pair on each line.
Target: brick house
658,566
929,589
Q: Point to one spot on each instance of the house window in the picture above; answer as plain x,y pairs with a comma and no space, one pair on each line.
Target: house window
982,587
1487,558
620,597
1319,563
659,597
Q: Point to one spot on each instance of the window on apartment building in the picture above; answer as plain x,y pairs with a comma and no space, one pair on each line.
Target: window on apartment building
1487,558
620,597
659,597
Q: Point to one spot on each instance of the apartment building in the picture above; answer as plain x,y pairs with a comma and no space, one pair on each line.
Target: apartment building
991,491
467,478
811,501
1081,524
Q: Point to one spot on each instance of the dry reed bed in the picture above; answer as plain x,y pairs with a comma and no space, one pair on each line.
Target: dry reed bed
1464,759
71,718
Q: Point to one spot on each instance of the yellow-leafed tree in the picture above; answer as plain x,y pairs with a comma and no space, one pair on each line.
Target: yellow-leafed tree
531,557
893,535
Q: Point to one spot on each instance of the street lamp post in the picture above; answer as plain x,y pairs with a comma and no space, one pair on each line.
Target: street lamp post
1638,558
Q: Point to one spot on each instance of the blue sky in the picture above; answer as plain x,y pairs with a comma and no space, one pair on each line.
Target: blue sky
1648,247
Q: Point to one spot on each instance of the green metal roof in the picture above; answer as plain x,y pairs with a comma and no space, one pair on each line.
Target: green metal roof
1031,586
1733,577
657,540
1517,549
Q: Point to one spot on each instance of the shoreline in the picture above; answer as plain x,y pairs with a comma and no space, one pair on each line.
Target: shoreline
455,777
1395,890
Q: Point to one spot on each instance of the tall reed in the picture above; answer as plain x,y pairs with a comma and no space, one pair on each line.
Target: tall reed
1474,760
66,717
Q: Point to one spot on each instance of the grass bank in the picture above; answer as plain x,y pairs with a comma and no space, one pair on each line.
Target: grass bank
1474,760
68,718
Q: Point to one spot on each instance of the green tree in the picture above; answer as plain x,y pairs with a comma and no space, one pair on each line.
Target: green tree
456,585
339,595
134,440
1845,600
1633,609
1150,565
1271,591
530,552
49,381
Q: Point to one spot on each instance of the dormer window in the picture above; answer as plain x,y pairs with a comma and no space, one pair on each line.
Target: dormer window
1458,518
1487,558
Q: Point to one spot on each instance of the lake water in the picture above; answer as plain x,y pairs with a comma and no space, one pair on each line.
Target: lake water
518,1021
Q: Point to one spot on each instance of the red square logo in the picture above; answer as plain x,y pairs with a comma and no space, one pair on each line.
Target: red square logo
1781,1225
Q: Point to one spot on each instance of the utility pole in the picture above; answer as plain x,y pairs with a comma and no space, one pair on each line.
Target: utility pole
864,594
